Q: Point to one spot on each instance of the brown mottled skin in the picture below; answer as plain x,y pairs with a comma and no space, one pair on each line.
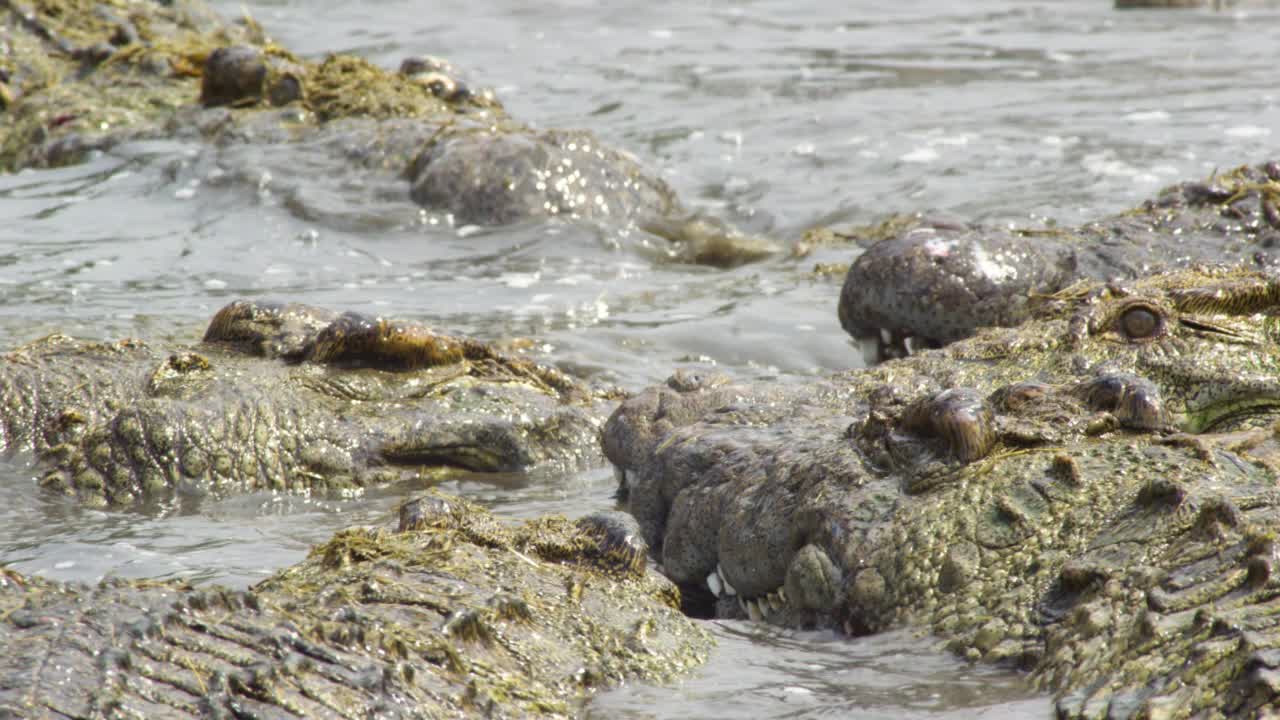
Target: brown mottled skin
1091,495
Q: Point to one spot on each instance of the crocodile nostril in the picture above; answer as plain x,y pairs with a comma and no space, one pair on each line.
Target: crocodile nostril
1135,401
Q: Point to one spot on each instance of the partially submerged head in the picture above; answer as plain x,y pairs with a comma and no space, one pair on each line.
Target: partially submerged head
760,491
934,284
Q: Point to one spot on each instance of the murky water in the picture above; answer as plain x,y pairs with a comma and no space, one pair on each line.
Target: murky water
761,671
776,115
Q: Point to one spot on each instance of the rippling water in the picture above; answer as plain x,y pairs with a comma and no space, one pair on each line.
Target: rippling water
776,115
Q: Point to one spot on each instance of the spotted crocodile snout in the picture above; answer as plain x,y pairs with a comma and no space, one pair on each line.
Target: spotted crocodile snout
937,283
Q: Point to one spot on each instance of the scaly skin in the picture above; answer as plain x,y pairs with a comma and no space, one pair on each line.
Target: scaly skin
1092,495
453,615
983,277
78,76
285,397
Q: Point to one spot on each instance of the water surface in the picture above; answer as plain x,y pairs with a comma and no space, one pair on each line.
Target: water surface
775,115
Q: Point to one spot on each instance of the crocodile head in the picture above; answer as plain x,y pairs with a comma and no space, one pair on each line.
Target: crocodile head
286,397
1204,338
1013,492
936,282
933,284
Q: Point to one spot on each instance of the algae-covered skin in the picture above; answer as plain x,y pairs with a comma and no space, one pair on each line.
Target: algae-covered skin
88,74
286,397
455,614
1092,495
79,76
935,282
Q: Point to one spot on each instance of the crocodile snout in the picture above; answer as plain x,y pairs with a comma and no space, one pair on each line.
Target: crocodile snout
934,285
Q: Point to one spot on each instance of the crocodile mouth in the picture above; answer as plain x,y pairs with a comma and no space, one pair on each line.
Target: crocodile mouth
895,344
1215,405
478,447
1241,413
475,458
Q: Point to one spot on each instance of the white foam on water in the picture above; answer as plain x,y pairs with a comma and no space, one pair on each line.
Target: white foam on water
1247,131
920,155
1148,116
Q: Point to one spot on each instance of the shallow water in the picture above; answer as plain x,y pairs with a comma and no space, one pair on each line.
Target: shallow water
762,671
776,115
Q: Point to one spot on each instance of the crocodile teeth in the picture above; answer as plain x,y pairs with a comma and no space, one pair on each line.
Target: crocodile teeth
775,602
782,595
724,582
713,584
753,611
742,603
885,337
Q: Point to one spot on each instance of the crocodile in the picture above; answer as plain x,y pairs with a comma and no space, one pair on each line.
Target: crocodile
1165,4
82,76
1091,496
286,397
452,613
1179,4
933,280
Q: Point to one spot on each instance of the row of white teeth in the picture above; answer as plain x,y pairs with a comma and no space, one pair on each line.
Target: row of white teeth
910,344
758,608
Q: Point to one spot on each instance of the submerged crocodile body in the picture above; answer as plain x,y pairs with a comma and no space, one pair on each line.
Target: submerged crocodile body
286,397
82,76
986,276
1180,4
453,615
1092,495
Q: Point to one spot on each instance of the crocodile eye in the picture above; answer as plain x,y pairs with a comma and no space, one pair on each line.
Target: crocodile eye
1141,322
